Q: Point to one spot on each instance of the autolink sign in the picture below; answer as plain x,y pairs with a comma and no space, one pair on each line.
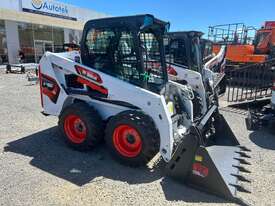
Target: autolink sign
49,8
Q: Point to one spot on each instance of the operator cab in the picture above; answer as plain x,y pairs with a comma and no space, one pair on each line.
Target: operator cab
206,49
183,49
262,41
128,48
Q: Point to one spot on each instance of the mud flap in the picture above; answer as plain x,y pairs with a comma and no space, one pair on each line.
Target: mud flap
213,169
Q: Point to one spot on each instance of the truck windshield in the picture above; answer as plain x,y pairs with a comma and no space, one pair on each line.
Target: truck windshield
260,38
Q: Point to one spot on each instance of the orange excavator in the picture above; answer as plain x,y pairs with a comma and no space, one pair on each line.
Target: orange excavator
245,45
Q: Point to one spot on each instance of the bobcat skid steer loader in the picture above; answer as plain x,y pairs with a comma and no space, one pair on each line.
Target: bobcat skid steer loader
217,141
117,87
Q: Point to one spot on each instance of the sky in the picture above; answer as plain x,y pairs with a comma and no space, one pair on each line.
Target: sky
188,14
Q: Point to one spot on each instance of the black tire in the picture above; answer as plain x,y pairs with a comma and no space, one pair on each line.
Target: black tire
92,121
148,133
8,69
23,71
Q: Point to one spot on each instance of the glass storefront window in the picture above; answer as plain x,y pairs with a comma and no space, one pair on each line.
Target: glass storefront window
26,41
35,40
3,43
74,36
42,32
58,39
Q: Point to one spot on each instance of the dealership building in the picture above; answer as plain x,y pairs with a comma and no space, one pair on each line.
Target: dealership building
36,26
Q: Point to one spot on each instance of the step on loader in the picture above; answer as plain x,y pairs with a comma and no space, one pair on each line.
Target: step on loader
117,89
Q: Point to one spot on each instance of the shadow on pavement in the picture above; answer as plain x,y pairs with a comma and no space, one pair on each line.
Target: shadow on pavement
264,138
52,155
175,191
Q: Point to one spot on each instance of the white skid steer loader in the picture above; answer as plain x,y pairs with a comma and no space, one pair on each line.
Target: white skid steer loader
217,161
117,87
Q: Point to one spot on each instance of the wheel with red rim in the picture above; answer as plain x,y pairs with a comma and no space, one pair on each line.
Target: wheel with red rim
81,126
75,128
132,138
127,141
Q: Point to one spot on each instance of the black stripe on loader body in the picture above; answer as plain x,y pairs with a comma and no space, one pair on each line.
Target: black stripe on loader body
99,98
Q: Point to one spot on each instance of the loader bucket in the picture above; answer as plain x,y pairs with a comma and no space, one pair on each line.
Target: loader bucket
213,169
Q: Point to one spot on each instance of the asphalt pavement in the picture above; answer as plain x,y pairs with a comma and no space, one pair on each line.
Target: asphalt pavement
37,168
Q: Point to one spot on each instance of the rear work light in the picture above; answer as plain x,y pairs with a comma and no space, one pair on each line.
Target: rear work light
88,74
171,70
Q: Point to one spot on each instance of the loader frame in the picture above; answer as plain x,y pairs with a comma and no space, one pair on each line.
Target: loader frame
108,93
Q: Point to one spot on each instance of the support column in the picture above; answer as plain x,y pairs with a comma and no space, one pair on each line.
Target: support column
12,41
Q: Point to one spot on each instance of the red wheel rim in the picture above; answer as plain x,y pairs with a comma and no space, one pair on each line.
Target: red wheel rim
75,129
127,141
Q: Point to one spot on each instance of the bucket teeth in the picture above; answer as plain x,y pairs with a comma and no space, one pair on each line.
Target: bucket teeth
242,169
240,188
243,161
243,154
241,178
244,148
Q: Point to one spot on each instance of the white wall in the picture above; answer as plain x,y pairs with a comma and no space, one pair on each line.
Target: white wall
86,15
66,35
72,35
13,45
81,14
12,41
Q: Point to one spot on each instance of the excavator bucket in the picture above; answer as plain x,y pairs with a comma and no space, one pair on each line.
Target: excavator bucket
216,168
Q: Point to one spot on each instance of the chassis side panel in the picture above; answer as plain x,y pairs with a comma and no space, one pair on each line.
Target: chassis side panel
57,66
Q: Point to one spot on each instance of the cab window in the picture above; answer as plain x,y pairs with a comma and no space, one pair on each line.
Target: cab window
113,52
